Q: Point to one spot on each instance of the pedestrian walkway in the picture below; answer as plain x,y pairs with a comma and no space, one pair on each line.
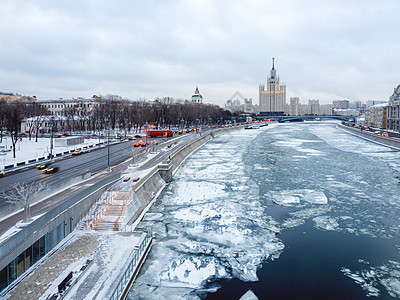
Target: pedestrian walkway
58,265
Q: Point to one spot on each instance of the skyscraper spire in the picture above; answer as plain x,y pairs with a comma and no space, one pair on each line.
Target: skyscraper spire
273,63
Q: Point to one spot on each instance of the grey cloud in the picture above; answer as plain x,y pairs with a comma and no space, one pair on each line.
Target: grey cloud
323,50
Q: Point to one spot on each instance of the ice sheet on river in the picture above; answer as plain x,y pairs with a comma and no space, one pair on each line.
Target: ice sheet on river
208,224
212,223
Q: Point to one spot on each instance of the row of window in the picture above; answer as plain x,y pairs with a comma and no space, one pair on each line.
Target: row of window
61,113
68,105
33,254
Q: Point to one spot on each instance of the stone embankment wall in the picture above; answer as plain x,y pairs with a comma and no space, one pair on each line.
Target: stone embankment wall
146,190
383,140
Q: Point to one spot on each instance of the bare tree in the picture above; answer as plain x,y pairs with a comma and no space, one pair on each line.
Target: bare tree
25,194
3,117
13,122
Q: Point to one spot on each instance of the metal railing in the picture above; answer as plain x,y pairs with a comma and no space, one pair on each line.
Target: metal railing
11,243
122,284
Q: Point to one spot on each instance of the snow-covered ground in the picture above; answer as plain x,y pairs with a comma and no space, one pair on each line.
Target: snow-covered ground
29,149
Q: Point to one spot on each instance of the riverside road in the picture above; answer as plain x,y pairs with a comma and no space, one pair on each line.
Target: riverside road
93,162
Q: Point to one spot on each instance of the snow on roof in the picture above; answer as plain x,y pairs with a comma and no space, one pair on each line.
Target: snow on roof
379,105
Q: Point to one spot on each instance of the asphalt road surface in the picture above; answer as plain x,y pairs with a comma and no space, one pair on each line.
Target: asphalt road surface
91,162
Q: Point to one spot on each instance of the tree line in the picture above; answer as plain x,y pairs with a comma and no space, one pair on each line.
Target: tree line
110,112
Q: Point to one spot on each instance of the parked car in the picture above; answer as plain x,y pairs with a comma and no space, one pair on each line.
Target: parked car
2,173
43,165
50,169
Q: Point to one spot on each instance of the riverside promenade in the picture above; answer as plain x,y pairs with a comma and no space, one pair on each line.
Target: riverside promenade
103,255
392,141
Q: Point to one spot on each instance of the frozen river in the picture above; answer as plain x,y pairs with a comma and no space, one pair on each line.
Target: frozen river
294,210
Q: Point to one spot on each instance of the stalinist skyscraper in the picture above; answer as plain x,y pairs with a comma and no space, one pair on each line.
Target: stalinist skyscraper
272,100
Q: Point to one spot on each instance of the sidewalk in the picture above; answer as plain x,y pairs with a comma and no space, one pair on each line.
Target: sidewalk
60,262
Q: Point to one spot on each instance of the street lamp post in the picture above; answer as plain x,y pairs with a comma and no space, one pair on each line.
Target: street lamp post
51,140
108,149
99,132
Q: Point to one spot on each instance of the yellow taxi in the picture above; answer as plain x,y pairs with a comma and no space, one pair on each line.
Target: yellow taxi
50,169
43,165
137,144
77,152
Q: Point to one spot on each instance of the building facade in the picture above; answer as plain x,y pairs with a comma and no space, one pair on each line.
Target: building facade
273,99
294,106
393,110
341,104
313,107
248,106
78,106
234,105
325,110
376,115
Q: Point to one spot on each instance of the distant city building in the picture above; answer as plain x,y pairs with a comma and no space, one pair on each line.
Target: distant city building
197,97
355,104
369,103
313,107
273,100
249,107
376,115
234,106
393,110
294,106
341,104
325,110
346,112
46,123
77,106
304,109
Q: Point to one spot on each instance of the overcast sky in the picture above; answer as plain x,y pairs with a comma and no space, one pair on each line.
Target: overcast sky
323,50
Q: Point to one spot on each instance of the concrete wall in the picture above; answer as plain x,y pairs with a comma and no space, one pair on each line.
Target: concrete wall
151,185
68,141
387,141
75,208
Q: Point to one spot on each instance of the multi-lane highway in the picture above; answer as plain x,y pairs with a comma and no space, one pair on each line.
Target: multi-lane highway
92,162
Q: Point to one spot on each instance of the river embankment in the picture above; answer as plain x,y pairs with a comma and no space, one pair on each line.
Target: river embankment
372,136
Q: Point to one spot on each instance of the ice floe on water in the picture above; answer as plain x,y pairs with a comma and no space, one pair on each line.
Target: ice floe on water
326,222
372,278
193,191
249,295
286,199
315,197
289,198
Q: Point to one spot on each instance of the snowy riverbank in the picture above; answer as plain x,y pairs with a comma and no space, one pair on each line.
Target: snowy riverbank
27,150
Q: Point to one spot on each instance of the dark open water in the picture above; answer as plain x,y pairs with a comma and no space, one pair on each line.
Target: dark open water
361,183
296,211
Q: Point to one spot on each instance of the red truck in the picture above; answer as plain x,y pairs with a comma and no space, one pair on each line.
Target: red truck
164,133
